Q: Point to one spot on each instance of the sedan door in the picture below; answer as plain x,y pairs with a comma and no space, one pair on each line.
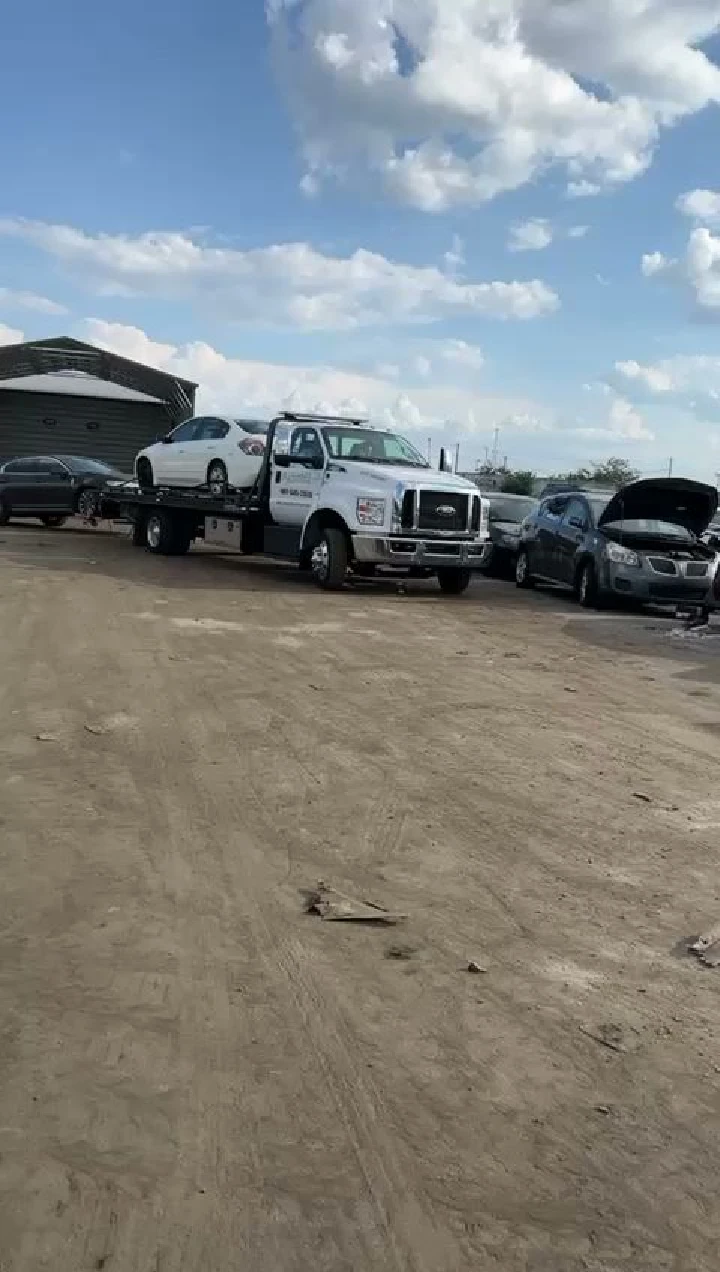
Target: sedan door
544,551
55,487
573,527
176,460
20,483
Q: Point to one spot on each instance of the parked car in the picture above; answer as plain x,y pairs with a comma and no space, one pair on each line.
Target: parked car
643,542
54,487
507,513
712,535
207,450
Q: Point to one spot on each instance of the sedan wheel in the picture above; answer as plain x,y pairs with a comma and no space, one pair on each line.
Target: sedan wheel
87,504
523,577
217,478
587,590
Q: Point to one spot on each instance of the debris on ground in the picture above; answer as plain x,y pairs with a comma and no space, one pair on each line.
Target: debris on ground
608,1035
400,951
47,737
707,947
96,729
645,799
476,969
336,906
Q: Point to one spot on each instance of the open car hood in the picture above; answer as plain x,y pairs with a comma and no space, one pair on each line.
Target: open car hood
690,504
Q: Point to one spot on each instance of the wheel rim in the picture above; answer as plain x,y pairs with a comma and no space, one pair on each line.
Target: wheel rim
521,568
153,532
86,504
216,476
320,560
584,584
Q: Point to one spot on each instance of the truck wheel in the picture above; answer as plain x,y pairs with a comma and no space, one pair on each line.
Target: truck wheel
53,523
145,477
329,561
165,535
453,582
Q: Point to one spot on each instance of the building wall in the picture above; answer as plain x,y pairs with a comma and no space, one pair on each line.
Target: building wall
46,424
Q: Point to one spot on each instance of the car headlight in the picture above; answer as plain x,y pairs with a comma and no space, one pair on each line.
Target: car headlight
619,555
371,512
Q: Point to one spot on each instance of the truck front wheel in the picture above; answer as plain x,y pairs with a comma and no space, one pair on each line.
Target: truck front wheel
329,560
166,535
453,582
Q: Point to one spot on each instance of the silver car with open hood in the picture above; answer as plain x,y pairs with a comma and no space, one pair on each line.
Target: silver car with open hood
642,542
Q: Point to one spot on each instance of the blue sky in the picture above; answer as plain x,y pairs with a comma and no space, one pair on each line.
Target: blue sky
452,222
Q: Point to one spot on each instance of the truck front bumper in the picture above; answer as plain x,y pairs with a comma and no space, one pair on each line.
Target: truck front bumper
410,552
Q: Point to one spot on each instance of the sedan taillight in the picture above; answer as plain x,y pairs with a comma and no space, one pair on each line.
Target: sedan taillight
252,445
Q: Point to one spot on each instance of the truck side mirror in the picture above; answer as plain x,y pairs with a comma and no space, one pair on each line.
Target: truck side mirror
281,461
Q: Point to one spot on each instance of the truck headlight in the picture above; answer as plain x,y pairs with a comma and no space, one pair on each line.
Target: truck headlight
619,555
371,512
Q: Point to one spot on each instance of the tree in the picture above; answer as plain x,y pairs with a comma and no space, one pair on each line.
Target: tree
520,483
614,472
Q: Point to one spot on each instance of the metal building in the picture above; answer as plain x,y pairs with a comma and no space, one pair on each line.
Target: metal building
65,397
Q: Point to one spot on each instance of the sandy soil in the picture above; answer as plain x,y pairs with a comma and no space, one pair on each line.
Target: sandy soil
196,1076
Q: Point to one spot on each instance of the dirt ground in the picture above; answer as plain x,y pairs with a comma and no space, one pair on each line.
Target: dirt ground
197,1076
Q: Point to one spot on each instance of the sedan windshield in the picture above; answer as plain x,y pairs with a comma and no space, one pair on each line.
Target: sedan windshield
80,464
371,446
511,508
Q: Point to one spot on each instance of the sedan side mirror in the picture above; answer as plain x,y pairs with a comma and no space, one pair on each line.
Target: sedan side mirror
167,439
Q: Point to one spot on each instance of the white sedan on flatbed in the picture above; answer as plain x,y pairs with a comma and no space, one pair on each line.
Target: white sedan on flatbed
207,450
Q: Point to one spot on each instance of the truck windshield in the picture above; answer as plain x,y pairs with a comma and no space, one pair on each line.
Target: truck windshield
371,446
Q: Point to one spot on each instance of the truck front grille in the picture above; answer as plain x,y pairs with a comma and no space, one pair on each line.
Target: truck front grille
443,510
407,516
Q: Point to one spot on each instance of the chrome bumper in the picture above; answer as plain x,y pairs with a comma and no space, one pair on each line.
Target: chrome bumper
467,554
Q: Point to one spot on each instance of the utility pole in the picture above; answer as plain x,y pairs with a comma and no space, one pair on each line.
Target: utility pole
496,446
429,449
457,457
670,466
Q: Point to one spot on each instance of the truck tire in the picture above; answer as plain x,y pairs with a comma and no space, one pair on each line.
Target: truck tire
329,561
453,582
165,534
53,523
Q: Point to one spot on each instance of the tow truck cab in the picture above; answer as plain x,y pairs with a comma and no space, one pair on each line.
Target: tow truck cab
337,495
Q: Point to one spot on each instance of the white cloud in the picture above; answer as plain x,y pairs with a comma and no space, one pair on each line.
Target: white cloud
449,102
530,236
10,335
290,284
238,385
655,263
578,231
698,269
462,354
623,423
690,382
422,366
582,189
10,299
454,258
701,205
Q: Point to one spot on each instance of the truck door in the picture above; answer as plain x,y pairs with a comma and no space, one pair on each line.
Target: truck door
297,476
